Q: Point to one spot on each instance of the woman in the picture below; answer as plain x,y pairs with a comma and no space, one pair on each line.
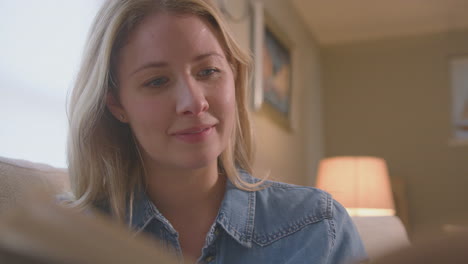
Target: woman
160,139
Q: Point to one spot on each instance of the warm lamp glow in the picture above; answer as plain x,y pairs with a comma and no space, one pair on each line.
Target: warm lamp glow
360,184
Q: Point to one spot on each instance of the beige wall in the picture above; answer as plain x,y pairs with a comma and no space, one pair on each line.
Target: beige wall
391,98
289,156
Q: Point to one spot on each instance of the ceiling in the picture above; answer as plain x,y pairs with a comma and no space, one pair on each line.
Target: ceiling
341,21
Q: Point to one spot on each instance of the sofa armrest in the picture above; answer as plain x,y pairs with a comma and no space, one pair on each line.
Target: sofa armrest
18,176
381,234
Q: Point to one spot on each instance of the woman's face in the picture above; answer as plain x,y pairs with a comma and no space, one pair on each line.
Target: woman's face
176,91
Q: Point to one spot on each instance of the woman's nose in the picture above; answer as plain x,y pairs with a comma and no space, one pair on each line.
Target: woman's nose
191,98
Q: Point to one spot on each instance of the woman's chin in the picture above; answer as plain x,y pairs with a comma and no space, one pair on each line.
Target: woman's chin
198,163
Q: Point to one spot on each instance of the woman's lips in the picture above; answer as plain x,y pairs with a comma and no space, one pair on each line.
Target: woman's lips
194,134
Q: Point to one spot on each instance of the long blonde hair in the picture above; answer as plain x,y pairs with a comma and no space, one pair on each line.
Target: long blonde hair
104,162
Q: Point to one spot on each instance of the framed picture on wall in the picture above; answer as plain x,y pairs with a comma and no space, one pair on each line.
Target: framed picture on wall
459,83
273,69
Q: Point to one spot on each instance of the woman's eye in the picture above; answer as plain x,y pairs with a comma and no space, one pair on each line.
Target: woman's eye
158,82
208,72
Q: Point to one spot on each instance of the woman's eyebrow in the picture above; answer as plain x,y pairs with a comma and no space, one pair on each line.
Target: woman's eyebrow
209,54
165,64
150,65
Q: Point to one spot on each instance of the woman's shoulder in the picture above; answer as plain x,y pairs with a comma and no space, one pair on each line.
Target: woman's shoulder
308,216
67,199
283,208
297,201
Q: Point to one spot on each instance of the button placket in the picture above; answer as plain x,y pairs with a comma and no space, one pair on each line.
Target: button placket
210,249
209,259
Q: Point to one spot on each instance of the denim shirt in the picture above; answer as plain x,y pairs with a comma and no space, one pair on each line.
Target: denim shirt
281,223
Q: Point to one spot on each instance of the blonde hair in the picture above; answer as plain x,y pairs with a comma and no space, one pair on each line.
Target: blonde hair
104,161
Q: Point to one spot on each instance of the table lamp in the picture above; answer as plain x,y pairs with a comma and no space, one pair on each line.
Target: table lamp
361,184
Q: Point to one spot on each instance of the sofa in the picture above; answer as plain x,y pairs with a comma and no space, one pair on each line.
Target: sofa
20,177
381,235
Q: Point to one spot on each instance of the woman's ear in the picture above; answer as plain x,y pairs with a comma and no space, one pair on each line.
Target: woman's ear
115,107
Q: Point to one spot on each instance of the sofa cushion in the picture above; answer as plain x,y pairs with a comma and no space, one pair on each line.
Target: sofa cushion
381,235
18,177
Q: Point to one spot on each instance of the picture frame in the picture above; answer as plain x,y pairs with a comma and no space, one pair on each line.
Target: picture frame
459,104
272,83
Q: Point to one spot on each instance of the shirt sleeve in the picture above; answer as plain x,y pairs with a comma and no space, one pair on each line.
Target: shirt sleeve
347,246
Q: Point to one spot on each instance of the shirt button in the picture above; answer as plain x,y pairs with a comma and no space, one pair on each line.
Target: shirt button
209,259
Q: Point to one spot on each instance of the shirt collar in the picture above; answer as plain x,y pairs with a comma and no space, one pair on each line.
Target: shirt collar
144,211
236,214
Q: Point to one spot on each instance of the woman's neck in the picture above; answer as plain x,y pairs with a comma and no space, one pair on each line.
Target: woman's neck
177,192
190,200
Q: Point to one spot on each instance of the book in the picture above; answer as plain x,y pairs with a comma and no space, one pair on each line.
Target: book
39,230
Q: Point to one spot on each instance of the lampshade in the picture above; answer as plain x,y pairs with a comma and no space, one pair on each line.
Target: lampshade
360,184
